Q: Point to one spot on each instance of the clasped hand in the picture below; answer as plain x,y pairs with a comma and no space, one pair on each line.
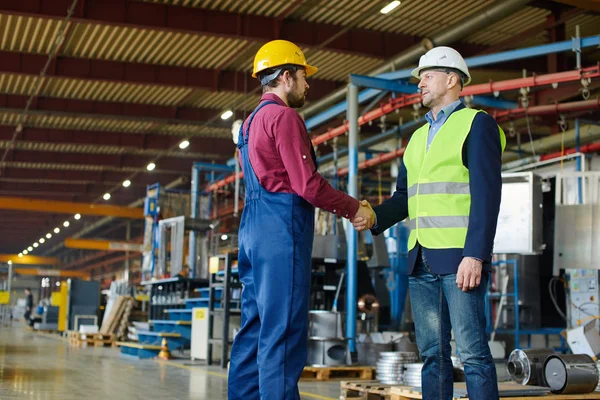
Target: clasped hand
364,218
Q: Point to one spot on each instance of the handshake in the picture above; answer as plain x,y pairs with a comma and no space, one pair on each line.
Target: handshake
364,218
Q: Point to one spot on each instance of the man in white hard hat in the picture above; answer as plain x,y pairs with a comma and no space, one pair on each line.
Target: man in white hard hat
449,186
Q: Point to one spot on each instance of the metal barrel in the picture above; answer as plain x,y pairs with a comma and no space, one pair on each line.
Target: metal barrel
571,373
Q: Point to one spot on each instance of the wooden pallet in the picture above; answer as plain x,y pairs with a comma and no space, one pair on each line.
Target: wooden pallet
328,373
407,393
364,390
102,340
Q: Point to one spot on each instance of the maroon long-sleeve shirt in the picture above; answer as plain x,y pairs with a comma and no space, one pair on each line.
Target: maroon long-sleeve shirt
280,154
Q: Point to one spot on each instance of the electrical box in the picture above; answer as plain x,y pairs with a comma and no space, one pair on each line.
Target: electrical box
519,228
199,345
585,296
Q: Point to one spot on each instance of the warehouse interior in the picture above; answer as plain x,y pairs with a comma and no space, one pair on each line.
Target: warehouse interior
121,193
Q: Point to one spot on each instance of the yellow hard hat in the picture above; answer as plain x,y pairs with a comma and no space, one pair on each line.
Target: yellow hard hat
280,52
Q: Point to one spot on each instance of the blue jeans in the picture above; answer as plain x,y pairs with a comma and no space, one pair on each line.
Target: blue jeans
438,306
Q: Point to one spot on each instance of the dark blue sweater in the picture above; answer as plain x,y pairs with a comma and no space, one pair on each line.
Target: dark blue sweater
482,156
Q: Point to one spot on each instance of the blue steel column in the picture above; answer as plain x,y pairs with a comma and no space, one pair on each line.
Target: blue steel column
194,214
351,234
400,274
578,160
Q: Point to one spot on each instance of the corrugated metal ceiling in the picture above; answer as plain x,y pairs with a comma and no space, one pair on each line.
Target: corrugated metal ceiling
124,125
85,89
509,27
102,149
267,8
79,167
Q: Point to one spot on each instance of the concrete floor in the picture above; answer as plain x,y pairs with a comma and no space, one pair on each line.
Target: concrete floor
44,367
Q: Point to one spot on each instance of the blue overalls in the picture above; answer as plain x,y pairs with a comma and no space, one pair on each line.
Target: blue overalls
275,244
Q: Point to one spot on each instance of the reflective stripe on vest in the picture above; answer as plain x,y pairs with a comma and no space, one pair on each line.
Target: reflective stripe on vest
439,196
439,188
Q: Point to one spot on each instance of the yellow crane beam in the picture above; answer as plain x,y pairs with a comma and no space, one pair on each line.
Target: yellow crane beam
95,244
67,207
28,260
52,272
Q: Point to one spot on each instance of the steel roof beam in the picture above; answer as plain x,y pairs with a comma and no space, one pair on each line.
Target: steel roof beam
258,29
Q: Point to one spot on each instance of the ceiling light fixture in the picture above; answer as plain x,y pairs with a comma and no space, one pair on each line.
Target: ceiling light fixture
126,183
66,224
184,144
226,115
77,216
390,7
151,166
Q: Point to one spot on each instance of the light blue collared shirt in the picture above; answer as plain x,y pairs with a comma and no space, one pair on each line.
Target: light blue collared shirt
435,126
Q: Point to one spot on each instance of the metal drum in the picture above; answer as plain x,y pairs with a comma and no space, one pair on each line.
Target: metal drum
527,366
368,353
323,323
571,373
327,352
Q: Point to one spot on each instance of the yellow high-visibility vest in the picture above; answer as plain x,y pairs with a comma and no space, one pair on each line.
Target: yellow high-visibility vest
439,198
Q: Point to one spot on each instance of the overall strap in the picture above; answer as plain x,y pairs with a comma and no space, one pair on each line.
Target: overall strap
243,138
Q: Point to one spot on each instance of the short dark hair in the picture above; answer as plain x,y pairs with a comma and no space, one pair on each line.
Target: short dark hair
273,82
28,289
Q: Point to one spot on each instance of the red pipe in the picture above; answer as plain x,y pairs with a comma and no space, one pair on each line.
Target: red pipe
588,148
490,87
532,81
548,109
375,161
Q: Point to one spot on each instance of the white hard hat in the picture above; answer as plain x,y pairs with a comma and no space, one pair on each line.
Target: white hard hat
442,57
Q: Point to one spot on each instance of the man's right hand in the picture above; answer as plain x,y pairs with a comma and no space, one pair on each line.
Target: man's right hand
364,218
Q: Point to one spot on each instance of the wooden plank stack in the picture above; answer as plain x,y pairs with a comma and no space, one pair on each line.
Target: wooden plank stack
116,322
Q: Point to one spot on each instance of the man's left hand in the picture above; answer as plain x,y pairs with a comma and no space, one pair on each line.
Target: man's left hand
469,274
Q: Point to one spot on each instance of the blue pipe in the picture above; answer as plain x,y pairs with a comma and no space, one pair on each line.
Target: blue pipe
212,167
387,85
578,161
192,256
401,275
351,234
365,144
488,59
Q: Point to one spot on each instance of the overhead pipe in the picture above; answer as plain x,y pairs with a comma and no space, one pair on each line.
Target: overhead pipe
588,133
529,52
540,146
484,88
549,109
461,29
588,148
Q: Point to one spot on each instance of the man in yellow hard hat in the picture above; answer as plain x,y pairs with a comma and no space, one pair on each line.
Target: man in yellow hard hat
277,230
449,186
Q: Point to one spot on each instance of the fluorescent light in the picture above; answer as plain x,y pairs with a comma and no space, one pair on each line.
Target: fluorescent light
184,144
20,254
77,216
48,235
25,252
35,244
126,183
56,230
106,196
66,224
151,166
30,248
390,7
227,114
42,240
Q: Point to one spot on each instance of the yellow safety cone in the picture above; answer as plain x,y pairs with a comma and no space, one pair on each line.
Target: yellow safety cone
164,350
